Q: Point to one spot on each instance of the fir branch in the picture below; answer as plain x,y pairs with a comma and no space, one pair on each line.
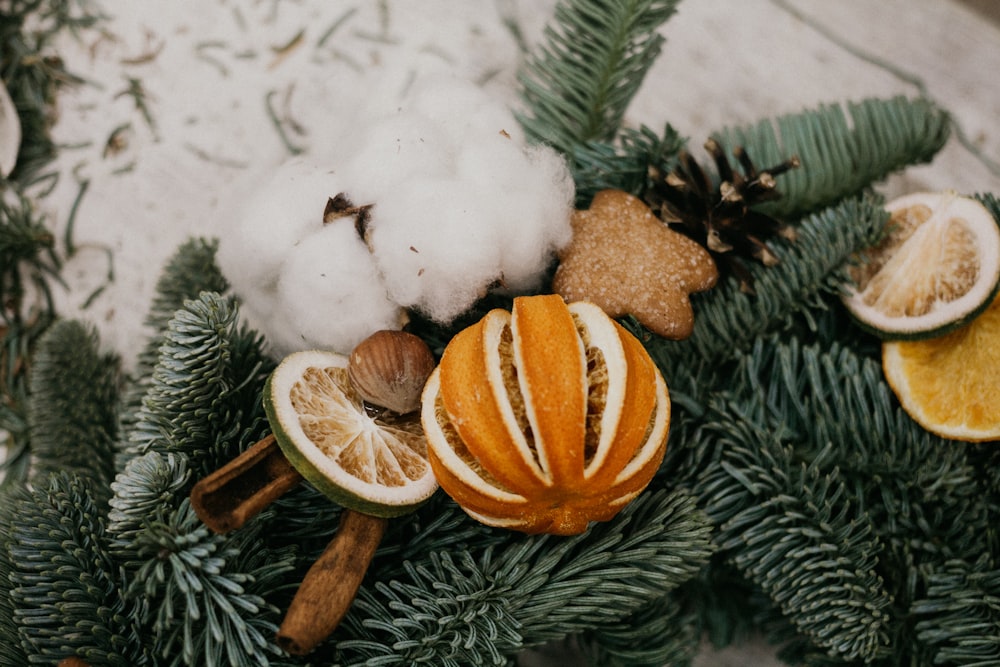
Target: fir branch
206,594
791,529
477,606
727,320
623,164
67,592
203,399
72,411
960,617
921,491
190,271
34,73
843,150
11,651
149,488
663,632
579,83
920,495
27,264
656,543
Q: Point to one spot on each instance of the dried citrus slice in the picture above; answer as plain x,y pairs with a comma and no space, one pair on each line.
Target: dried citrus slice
371,463
938,267
545,418
950,385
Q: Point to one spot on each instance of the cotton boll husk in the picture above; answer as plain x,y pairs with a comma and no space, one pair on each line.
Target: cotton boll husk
284,209
329,294
436,250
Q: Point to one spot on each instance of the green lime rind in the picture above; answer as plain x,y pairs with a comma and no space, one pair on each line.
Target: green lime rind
946,327
946,317
308,460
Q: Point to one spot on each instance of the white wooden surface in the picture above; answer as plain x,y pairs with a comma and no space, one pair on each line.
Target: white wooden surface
206,67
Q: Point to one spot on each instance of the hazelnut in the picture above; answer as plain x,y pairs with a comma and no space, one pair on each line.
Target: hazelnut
389,369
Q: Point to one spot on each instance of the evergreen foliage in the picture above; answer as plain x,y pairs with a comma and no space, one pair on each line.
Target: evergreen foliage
797,498
66,590
11,652
579,82
73,408
664,632
479,606
203,396
623,164
961,613
33,73
205,593
27,264
190,271
842,149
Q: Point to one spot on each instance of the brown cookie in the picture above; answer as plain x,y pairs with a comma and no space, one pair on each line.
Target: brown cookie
628,262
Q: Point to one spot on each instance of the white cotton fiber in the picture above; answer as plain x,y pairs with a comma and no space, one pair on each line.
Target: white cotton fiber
330,291
433,247
389,151
272,220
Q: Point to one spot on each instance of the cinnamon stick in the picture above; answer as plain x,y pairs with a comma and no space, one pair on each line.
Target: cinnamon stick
329,587
239,490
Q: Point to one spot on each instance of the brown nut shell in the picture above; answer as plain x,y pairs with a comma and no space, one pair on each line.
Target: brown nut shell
389,369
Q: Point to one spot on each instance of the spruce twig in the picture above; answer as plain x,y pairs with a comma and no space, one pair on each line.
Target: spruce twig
842,149
579,83
72,411
67,591
203,397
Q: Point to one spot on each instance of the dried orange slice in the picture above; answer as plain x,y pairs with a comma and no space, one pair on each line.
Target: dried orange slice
371,463
545,418
938,268
950,385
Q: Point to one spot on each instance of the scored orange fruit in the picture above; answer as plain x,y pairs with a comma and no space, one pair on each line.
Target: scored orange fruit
545,418
950,385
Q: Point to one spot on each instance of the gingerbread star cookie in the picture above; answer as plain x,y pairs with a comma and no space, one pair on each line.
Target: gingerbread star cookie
628,262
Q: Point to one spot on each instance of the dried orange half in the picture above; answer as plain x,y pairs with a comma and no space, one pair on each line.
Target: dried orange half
545,418
950,385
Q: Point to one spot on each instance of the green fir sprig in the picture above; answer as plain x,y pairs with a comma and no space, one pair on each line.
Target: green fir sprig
67,592
73,407
843,149
579,82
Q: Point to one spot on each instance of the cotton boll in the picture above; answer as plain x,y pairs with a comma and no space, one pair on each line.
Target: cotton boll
329,294
467,111
528,192
392,150
538,216
436,250
271,221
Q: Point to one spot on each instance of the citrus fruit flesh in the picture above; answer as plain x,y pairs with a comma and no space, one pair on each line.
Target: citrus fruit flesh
950,384
374,463
938,267
546,419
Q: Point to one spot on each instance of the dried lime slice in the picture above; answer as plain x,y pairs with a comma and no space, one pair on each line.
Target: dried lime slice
938,268
375,463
